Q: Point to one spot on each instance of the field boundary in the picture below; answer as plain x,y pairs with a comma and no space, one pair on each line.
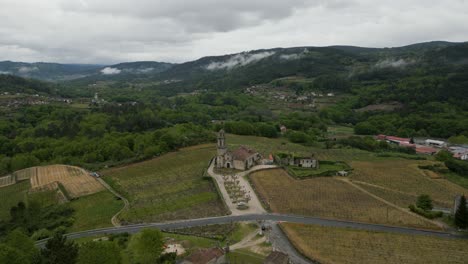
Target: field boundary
392,204
115,219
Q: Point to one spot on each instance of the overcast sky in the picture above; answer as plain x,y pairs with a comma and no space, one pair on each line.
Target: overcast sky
110,31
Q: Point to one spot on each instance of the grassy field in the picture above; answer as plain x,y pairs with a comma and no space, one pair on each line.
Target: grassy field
95,210
11,195
405,177
327,197
340,131
340,245
168,187
243,256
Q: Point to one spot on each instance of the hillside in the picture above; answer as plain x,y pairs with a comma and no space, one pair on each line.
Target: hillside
47,71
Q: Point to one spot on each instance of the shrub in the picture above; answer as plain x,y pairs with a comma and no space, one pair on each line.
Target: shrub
427,214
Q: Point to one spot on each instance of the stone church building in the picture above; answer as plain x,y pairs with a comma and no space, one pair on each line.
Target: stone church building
242,158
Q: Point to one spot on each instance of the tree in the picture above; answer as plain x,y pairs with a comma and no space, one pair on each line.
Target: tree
20,241
443,155
60,251
99,253
424,202
12,256
461,215
146,246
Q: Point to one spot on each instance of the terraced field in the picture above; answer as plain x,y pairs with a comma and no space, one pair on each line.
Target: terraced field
76,181
7,180
328,198
339,245
168,187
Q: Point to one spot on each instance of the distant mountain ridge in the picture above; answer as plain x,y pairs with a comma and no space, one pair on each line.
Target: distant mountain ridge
64,72
252,67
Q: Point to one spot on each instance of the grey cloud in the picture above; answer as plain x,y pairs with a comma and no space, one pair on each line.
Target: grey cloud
26,70
111,31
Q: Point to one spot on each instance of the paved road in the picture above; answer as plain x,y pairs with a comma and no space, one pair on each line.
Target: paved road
258,217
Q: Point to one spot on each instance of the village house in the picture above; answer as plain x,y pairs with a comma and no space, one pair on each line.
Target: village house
291,160
435,143
242,158
458,152
395,140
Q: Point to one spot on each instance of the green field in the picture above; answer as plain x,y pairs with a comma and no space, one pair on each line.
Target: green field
95,210
11,195
244,256
168,187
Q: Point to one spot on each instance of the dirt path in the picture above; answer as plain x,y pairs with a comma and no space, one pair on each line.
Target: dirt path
115,220
255,207
391,204
392,190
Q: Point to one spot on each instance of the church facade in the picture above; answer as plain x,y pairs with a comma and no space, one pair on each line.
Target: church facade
242,158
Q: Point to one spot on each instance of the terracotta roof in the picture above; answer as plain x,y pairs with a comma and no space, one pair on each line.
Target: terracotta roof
427,150
397,138
242,153
203,256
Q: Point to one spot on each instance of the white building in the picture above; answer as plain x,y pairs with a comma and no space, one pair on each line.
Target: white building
435,143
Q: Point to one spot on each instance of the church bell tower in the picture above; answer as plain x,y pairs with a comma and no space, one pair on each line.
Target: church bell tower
221,143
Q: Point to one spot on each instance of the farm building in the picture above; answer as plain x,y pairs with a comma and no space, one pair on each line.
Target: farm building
291,160
460,153
242,158
426,150
392,139
435,143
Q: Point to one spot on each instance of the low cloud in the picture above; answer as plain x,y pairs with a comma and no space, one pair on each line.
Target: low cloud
294,56
5,72
26,70
110,71
393,63
240,59
145,70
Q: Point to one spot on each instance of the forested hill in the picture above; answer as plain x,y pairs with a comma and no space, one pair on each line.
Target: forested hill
352,63
14,84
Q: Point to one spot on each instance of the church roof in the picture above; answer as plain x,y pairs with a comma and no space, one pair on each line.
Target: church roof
242,153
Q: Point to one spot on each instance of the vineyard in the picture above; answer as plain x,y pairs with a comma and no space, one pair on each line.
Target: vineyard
339,245
405,177
328,198
168,187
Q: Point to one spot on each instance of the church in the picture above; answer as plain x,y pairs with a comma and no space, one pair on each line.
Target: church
242,158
